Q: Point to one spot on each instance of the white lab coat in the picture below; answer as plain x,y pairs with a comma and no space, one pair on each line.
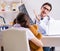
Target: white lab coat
43,25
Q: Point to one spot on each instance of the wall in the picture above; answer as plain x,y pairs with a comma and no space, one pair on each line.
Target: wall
36,4
8,6
9,16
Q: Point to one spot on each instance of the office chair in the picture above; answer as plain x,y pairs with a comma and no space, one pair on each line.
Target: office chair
14,40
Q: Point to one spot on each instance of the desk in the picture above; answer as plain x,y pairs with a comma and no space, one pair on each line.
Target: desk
51,41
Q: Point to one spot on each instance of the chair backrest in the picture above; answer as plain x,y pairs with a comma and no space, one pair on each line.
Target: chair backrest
15,40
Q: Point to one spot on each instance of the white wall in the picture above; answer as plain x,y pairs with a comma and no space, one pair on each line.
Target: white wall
9,16
36,4
11,0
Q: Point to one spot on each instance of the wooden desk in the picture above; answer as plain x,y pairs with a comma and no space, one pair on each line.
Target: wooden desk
51,41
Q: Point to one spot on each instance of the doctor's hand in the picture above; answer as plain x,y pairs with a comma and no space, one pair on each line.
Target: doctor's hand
36,15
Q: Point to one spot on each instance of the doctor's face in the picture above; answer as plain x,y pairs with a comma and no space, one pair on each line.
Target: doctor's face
45,10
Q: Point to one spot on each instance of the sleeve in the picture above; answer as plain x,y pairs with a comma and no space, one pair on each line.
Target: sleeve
30,34
42,25
42,28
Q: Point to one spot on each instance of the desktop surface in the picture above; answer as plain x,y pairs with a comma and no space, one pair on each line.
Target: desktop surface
51,41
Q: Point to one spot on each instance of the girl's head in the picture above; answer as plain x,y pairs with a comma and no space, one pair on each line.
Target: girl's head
23,20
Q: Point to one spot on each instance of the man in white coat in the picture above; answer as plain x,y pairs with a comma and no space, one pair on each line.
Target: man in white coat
43,20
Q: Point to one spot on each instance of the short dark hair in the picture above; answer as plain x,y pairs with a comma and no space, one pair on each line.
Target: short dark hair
48,5
23,19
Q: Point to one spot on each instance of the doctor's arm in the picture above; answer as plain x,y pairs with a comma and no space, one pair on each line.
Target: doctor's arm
36,15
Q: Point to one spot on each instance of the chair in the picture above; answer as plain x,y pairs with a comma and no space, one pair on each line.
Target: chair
15,40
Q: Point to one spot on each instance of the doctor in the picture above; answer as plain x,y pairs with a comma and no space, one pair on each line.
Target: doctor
42,20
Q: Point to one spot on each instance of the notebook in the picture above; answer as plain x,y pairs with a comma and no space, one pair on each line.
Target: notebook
54,28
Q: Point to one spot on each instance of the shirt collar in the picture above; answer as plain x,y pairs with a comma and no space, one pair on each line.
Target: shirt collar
17,25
